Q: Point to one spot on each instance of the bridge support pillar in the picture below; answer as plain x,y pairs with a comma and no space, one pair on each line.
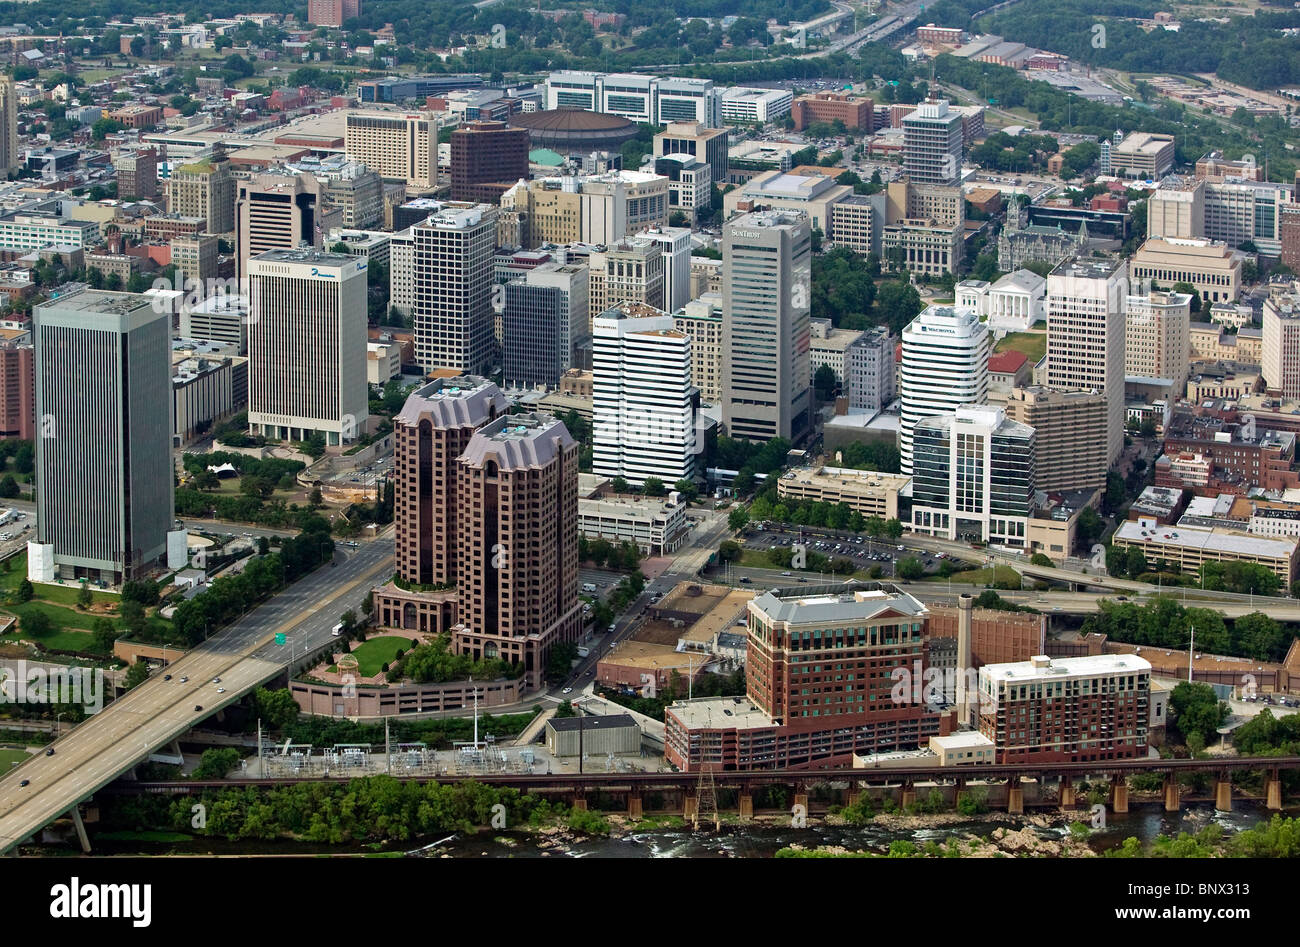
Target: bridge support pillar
1067,793
746,803
580,802
801,799
1016,800
1273,794
1173,793
690,807
1118,794
634,810
82,837
1223,795
908,798
851,796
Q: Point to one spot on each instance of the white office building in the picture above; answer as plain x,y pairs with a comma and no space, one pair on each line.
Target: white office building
945,365
755,106
451,305
1085,335
676,244
644,405
307,346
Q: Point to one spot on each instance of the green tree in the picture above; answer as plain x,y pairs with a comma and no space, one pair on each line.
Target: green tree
138,673
36,624
737,518
84,597
1197,710
104,633
910,569
825,382
8,487
654,487
25,591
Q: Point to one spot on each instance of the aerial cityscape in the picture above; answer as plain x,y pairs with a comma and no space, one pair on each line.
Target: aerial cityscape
548,429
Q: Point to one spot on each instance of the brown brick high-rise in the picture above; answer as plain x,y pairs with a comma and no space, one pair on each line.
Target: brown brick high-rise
430,433
487,159
517,542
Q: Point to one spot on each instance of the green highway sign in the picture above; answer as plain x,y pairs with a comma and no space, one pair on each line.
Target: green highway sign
279,637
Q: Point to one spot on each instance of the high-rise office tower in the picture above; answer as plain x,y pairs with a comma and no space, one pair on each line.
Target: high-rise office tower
766,294
487,159
932,143
973,476
204,188
546,318
644,405
1069,428
517,539
430,433
10,158
945,364
1085,335
452,305
1280,358
395,145
277,212
1157,335
104,435
307,345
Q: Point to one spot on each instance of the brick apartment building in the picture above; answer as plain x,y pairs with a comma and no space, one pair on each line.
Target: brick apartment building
820,681
1238,455
1065,710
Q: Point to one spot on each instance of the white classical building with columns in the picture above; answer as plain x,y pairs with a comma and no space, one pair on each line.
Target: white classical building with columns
1013,303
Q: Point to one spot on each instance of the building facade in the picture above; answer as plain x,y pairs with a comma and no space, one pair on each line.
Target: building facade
104,472
307,346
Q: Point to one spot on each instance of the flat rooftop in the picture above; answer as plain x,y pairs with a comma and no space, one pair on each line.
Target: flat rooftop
1055,669
592,724
719,713
835,603
1194,537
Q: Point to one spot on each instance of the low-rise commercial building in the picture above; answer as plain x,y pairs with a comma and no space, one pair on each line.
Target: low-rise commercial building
1189,547
656,526
868,492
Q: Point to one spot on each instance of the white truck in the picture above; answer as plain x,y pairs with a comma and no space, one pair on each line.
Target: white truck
338,630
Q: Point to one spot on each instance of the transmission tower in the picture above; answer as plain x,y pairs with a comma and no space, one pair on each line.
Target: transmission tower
707,794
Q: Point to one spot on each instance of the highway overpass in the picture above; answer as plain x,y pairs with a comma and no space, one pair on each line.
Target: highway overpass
158,711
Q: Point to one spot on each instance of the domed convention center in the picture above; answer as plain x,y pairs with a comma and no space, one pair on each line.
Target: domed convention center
570,131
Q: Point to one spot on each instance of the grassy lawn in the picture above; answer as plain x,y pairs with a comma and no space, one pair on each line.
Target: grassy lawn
59,616
980,576
1033,344
373,654
67,594
8,757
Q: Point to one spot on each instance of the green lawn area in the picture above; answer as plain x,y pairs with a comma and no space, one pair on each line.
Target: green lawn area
980,576
1033,344
373,654
8,757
